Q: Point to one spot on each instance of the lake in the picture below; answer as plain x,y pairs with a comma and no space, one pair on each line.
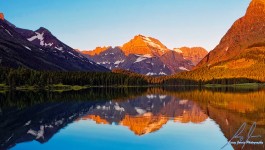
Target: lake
133,118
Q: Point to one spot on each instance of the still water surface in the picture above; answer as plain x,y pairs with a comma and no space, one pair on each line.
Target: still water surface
145,118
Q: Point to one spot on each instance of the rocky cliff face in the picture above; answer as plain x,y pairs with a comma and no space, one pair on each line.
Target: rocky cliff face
176,62
194,54
245,32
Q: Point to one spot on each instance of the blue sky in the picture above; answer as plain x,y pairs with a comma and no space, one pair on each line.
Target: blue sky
85,24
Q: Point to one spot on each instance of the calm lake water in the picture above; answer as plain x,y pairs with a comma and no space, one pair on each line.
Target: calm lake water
134,118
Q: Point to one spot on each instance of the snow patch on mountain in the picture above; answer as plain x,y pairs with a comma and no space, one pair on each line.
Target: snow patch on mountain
48,44
118,108
119,61
27,123
39,36
183,102
161,97
59,48
38,134
72,54
8,32
140,111
151,96
27,48
152,44
178,50
162,73
151,74
183,68
142,58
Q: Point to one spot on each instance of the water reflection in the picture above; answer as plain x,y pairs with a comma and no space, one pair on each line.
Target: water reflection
146,114
39,116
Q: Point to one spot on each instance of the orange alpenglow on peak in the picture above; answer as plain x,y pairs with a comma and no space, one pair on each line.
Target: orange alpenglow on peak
258,1
194,54
96,51
97,119
2,17
144,124
244,33
143,45
256,8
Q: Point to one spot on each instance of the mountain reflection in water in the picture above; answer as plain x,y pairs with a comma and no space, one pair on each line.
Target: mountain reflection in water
29,116
146,114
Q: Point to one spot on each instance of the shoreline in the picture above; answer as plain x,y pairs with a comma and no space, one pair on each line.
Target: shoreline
62,87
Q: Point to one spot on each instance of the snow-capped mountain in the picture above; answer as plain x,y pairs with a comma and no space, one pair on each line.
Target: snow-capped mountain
39,50
143,45
144,55
115,58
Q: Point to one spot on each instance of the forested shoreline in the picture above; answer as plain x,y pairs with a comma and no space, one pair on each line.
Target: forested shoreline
21,77
13,78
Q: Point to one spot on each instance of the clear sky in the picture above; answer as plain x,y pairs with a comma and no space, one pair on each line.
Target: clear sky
85,24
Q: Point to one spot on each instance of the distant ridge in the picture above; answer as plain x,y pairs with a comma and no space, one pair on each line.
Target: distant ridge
147,56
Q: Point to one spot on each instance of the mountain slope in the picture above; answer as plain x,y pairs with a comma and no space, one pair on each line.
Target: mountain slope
176,62
146,64
110,58
246,31
240,54
39,50
194,54
96,51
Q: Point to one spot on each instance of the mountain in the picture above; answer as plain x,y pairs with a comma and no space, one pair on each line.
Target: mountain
146,64
115,58
194,54
143,45
143,55
96,51
39,50
245,33
240,54
110,58
176,62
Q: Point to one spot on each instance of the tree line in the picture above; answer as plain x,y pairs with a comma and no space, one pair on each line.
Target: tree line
22,76
26,77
